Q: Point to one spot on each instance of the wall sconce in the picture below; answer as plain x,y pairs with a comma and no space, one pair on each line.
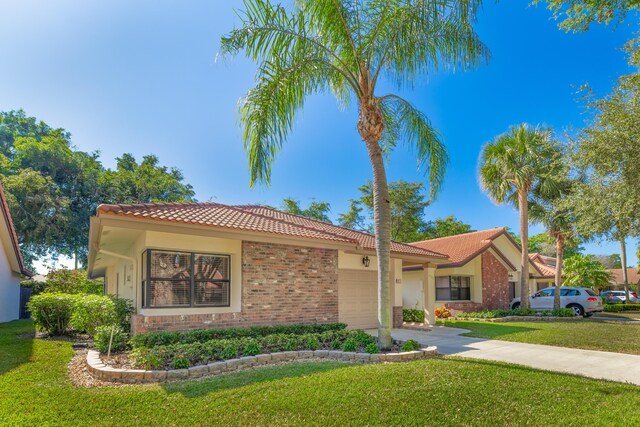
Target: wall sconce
365,261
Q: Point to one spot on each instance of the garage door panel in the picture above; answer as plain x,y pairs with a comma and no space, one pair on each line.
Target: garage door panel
358,298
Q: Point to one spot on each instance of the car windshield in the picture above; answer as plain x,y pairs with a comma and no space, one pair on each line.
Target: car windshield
590,292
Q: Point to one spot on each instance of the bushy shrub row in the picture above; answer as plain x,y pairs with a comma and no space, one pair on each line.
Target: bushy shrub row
413,315
492,314
111,334
59,313
184,355
152,339
614,308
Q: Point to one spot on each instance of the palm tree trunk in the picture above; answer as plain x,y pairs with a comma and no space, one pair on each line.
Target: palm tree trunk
623,261
523,205
559,264
370,127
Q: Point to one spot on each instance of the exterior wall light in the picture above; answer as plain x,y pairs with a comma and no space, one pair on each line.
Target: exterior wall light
366,260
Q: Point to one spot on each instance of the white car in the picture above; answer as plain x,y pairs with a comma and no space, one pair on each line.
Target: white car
583,301
619,297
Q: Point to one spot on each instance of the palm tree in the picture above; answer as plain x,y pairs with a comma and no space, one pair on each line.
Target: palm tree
346,47
549,209
511,166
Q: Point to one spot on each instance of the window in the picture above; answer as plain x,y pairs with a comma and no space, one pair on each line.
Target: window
453,288
185,279
569,293
545,293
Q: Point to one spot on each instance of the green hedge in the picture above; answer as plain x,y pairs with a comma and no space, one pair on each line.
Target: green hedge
492,314
184,355
152,339
621,307
413,315
52,312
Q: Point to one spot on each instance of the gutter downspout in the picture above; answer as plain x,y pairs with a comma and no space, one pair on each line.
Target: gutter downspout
134,263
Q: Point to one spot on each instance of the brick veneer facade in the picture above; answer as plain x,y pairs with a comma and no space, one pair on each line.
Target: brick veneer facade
397,317
495,288
495,283
281,284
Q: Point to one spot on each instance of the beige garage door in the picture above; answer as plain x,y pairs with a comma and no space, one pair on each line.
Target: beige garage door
358,298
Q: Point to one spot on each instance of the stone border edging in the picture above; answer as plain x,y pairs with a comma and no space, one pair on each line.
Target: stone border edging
517,318
101,371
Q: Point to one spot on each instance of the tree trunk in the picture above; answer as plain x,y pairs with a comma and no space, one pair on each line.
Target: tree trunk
559,264
623,260
370,127
75,256
523,205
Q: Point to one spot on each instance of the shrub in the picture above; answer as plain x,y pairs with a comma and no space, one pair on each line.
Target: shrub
91,311
350,345
151,339
51,312
180,362
103,336
230,351
36,287
442,313
410,345
562,312
123,311
614,308
372,348
310,342
413,315
492,314
72,282
251,347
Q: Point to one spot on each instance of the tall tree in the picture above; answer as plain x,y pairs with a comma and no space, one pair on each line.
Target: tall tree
316,210
407,202
346,47
547,208
513,165
578,15
584,271
444,227
544,244
608,261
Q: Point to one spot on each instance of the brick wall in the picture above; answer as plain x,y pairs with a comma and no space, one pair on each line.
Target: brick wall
397,317
281,284
495,283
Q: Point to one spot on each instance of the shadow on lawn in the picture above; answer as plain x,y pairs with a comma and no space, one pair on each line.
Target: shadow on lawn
194,389
16,344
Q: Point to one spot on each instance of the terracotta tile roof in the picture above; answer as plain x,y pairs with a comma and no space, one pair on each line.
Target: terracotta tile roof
4,206
461,248
254,218
633,276
544,268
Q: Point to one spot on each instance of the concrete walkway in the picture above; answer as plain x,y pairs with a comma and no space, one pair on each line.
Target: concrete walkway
594,364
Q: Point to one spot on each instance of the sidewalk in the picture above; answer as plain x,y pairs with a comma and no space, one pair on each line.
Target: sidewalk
594,364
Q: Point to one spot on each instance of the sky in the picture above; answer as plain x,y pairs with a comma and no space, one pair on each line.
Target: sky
145,77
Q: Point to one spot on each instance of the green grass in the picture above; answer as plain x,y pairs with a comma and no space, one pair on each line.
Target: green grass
616,336
35,390
621,314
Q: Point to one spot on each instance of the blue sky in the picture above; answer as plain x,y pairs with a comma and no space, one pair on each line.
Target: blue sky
142,77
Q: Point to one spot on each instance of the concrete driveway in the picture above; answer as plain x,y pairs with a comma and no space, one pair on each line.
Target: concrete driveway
594,364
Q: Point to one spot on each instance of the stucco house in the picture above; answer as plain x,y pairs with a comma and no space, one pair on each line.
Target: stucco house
483,272
200,265
11,265
617,279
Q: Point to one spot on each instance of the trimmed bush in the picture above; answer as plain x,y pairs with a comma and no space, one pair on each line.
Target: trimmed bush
152,339
167,356
492,314
91,311
72,282
103,336
413,315
123,310
51,312
372,348
410,345
614,308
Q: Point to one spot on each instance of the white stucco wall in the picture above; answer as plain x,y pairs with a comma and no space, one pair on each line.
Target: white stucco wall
9,289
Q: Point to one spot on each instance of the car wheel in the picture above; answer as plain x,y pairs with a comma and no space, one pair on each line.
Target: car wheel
515,306
577,309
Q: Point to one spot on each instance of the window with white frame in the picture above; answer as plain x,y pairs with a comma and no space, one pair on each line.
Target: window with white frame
453,288
185,279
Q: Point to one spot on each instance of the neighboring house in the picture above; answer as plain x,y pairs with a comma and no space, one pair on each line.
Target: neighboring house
205,265
483,272
617,281
11,265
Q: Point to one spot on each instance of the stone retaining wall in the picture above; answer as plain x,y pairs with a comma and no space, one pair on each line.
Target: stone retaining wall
100,370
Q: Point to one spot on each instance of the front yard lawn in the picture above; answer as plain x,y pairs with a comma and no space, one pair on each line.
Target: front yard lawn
621,314
616,336
35,390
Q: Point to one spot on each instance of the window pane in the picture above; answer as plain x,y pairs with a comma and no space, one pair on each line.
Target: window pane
465,282
443,294
465,293
170,265
165,293
455,281
442,282
212,293
211,267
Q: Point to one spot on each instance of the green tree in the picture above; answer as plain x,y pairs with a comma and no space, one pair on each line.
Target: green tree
444,227
346,47
146,182
407,201
578,15
513,165
608,261
316,210
584,271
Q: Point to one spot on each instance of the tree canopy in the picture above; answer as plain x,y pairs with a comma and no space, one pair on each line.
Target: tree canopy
584,271
578,15
316,210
